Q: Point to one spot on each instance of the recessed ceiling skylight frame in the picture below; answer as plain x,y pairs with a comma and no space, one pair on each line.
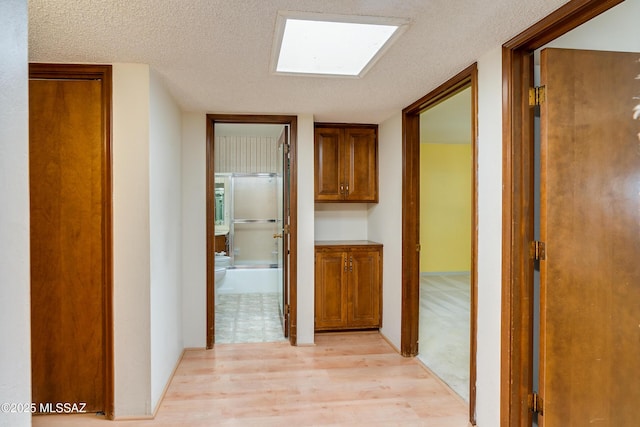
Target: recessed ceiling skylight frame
400,25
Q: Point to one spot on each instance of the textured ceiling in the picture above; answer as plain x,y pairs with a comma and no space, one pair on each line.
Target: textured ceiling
214,54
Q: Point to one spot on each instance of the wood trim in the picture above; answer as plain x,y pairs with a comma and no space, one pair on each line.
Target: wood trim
517,202
292,121
411,218
104,74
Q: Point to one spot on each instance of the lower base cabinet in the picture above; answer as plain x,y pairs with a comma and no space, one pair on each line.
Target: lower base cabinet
348,285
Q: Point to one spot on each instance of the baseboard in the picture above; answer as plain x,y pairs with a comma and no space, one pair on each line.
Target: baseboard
396,349
166,386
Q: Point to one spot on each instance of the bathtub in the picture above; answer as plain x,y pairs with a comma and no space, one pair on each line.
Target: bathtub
250,280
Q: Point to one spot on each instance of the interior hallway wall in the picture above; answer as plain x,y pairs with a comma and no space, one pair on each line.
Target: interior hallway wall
385,225
131,242
194,225
165,228
489,237
15,317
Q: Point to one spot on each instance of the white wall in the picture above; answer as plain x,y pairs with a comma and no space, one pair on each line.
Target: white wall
165,224
194,225
131,243
385,225
489,237
15,284
341,221
306,257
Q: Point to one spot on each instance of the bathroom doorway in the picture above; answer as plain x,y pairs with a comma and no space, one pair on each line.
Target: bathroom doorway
250,213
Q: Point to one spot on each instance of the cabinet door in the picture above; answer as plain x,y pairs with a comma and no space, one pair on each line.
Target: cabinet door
364,289
330,290
361,165
329,166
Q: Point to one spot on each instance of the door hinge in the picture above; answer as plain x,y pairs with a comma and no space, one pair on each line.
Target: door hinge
535,403
418,247
537,95
286,148
537,251
286,309
285,229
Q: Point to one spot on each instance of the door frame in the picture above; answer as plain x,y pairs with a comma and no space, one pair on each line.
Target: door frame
292,122
518,202
104,74
411,218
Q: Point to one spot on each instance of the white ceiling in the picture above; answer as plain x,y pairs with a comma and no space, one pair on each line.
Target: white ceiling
214,54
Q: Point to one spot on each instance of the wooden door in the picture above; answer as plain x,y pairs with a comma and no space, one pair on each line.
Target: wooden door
590,223
361,165
329,179
282,231
330,289
364,289
70,249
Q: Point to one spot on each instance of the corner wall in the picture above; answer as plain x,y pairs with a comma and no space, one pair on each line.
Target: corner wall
194,226
385,225
165,228
489,237
15,309
131,243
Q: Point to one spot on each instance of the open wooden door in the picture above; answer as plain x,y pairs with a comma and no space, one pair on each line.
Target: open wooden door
590,225
282,232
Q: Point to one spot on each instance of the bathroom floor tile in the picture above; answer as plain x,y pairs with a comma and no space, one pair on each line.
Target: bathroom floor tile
244,318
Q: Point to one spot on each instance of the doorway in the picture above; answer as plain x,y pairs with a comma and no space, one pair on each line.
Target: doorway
250,228
71,243
411,220
579,284
445,239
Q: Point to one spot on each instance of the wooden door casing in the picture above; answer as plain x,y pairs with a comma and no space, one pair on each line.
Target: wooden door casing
70,196
590,203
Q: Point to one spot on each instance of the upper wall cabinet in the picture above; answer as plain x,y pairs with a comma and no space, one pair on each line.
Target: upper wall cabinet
346,163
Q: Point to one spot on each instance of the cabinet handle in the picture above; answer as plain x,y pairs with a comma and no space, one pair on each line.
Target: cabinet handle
341,188
351,264
347,190
345,264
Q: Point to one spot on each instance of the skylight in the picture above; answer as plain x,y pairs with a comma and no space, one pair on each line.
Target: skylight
335,45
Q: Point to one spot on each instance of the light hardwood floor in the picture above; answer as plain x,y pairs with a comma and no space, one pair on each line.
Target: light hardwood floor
345,379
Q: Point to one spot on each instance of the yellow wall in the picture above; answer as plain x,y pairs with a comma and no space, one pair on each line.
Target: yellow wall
445,207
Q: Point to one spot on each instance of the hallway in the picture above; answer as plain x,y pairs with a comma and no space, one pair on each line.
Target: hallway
345,379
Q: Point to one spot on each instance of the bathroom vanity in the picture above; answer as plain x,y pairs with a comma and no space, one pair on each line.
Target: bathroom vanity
348,285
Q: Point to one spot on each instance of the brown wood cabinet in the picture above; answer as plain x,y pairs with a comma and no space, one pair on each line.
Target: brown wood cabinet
348,285
221,243
346,163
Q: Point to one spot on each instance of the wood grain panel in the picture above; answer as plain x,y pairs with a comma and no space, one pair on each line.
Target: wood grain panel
330,289
365,291
590,279
361,164
329,158
67,242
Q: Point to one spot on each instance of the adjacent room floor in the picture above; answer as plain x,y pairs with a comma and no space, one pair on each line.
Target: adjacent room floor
244,318
444,328
354,379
